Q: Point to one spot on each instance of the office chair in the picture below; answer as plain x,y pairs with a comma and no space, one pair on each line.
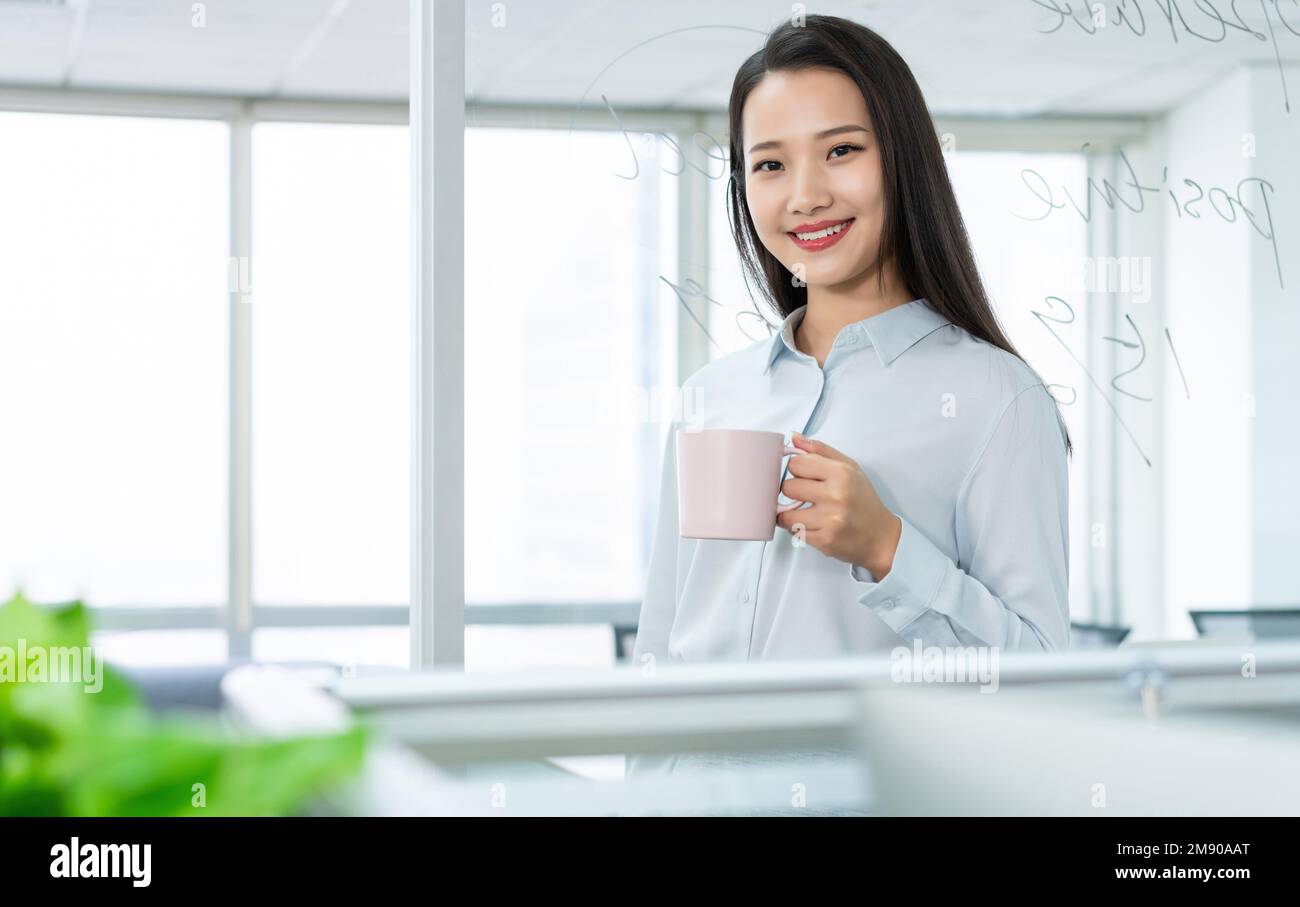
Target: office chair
1096,636
1259,623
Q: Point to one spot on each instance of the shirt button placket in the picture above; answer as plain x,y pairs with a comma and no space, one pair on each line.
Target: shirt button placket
748,597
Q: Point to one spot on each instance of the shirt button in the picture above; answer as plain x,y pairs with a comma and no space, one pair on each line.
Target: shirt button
744,596
887,604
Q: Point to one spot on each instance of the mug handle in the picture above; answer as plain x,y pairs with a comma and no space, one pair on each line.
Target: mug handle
782,508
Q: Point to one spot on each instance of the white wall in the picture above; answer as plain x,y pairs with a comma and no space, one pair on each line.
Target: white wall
1275,332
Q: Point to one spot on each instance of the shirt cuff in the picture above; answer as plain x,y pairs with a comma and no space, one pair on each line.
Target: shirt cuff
909,587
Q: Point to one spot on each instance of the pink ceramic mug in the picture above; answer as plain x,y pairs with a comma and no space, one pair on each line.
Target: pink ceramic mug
728,480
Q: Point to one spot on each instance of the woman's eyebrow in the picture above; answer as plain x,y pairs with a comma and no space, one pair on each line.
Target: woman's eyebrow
821,135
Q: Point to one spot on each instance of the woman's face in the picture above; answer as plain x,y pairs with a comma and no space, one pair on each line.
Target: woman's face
798,177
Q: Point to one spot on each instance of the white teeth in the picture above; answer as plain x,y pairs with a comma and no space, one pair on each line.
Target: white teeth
821,234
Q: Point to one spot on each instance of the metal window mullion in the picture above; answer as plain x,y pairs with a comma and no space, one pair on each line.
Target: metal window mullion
1048,133
437,127
1115,603
1103,436
692,259
239,603
118,618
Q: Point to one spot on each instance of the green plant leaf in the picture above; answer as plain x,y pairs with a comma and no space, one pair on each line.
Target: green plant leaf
95,750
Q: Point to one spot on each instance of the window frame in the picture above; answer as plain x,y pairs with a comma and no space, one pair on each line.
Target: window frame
240,616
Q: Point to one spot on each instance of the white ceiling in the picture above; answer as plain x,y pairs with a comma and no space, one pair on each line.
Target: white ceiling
970,56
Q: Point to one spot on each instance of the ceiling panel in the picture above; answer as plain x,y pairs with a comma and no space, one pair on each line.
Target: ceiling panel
970,56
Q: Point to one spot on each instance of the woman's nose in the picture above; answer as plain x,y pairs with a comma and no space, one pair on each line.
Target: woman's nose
808,193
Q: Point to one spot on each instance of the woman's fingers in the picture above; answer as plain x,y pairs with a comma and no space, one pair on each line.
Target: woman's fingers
811,466
806,519
804,489
817,447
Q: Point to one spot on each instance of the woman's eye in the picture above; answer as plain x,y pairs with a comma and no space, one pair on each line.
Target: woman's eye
761,166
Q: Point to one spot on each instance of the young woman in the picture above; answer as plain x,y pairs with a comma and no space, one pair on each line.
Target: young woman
932,458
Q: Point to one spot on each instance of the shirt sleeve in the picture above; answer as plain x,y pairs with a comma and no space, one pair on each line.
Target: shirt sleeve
659,600
1012,528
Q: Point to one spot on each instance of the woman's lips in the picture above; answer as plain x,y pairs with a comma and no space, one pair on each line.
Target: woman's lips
816,245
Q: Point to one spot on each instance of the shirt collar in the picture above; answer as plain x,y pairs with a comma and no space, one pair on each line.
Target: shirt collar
890,332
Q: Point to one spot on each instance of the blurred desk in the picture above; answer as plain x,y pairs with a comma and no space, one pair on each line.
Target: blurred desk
1144,722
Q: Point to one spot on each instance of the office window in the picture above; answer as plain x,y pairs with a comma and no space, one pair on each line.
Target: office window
331,364
1023,262
371,646
569,342
488,647
162,648
113,347
738,315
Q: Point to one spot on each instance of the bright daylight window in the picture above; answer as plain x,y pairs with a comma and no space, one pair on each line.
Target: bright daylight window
331,364
113,349
568,322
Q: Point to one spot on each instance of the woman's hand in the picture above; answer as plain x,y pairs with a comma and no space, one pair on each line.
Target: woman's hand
847,520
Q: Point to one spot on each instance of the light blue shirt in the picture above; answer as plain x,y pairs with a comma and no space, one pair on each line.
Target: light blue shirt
960,439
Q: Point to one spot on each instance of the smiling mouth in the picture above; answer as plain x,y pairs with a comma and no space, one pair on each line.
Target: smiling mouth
823,238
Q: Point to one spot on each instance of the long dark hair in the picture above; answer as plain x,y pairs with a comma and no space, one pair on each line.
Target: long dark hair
923,229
